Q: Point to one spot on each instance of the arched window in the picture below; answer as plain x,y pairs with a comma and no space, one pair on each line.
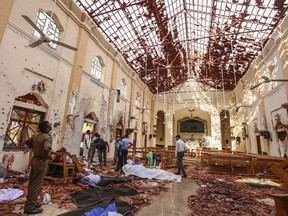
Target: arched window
123,87
48,26
24,120
96,70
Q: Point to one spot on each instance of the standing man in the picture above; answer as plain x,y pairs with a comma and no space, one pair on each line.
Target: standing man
179,153
86,144
95,146
119,156
103,148
41,144
116,148
126,143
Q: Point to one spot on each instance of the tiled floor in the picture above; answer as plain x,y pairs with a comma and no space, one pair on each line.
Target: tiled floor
173,202
170,203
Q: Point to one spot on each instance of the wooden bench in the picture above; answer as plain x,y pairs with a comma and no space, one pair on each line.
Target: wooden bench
167,156
261,162
64,166
227,163
168,159
281,200
281,204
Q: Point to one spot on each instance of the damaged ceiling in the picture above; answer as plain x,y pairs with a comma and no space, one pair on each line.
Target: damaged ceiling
170,41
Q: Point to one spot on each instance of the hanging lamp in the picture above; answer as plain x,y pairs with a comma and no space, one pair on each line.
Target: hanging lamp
223,89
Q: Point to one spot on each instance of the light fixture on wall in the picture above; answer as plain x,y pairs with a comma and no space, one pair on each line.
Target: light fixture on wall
268,80
142,109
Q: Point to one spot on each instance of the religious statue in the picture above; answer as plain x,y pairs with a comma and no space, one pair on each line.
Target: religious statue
281,133
256,130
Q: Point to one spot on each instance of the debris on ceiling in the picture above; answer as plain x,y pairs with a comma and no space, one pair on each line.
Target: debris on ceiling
169,41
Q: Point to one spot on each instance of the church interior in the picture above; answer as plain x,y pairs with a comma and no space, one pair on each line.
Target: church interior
214,72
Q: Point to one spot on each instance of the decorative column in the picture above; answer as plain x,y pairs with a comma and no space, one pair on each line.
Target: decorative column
73,113
5,10
169,139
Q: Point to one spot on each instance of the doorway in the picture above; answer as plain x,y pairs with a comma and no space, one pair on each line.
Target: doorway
90,123
258,141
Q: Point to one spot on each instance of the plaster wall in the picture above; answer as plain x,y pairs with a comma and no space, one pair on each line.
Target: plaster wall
266,100
17,58
21,66
15,160
273,101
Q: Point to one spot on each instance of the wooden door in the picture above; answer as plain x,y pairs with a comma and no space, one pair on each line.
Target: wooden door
258,141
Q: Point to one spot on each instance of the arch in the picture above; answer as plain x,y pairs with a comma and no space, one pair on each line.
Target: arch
120,124
28,111
97,67
101,60
34,98
91,117
54,17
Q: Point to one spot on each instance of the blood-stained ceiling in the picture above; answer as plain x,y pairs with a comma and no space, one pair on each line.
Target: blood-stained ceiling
170,41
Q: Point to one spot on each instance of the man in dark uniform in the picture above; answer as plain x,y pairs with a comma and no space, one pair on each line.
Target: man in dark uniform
94,146
103,148
41,144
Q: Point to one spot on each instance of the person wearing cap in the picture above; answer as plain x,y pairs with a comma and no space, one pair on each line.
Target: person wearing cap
41,144
180,149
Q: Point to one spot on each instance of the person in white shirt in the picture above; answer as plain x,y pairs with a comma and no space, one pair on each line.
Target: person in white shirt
101,180
86,144
179,153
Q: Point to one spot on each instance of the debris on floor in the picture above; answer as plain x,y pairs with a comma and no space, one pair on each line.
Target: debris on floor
217,194
226,195
60,193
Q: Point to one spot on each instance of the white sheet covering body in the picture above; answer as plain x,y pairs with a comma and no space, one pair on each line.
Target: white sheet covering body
10,194
142,172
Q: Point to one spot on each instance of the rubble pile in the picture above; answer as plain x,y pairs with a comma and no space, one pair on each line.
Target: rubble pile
60,192
222,195
147,189
217,194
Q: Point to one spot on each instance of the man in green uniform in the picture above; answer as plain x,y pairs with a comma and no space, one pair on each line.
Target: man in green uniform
41,144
